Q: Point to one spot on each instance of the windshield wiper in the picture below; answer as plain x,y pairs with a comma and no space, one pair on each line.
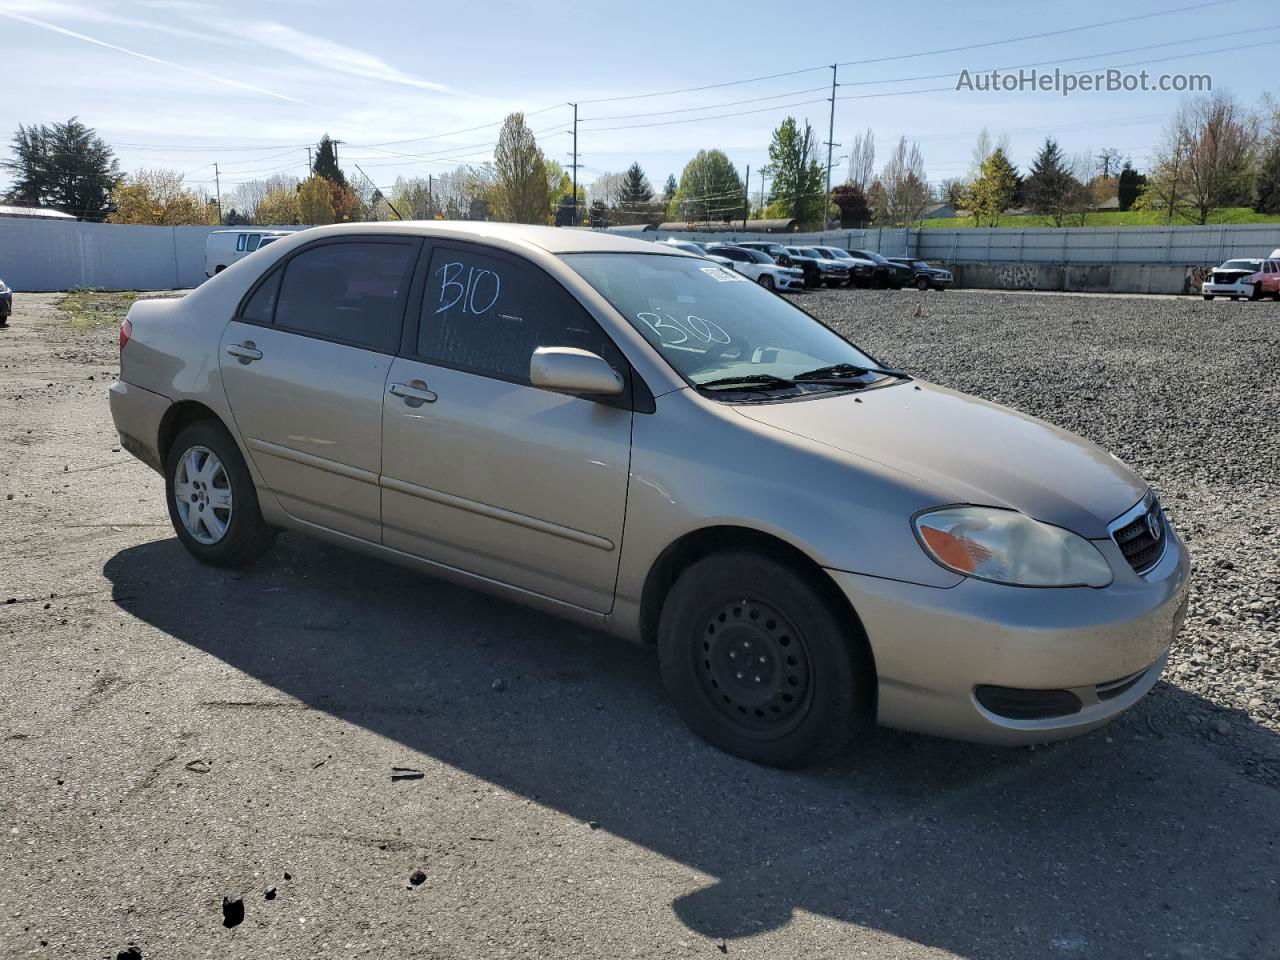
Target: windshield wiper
748,381
843,371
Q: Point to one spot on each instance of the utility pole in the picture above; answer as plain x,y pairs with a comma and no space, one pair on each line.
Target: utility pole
431,194
746,197
575,164
217,185
310,163
831,135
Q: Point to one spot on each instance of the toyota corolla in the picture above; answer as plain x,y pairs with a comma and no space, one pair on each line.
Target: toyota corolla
638,439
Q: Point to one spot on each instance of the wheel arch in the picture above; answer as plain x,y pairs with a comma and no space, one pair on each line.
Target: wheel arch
179,416
697,544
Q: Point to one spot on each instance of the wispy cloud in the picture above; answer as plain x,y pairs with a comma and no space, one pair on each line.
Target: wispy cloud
32,21
327,53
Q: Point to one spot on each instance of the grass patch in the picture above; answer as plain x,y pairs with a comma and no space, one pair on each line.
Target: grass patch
1109,218
91,309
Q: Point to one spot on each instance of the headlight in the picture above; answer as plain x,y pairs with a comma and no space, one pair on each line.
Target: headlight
1005,546
3,288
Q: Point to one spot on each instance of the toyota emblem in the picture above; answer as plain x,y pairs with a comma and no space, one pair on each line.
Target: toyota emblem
1154,527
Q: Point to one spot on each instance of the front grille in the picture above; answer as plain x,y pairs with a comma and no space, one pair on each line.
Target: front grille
1136,541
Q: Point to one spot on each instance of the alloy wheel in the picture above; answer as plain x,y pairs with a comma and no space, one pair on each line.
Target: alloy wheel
202,494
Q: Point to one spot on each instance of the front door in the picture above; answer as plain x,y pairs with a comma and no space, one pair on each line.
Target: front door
484,472
304,365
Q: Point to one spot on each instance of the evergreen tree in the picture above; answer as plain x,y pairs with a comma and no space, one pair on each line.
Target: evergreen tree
669,191
1131,184
66,166
993,190
635,187
326,162
1051,189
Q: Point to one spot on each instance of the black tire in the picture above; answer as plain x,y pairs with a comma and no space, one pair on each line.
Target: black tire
1257,292
765,281
1208,296
247,535
922,284
815,687
1235,298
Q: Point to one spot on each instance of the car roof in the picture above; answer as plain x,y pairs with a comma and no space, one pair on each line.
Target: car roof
551,239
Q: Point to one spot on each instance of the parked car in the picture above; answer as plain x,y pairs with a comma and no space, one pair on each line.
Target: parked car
6,304
698,250
772,248
224,247
861,272
888,274
1242,278
924,276
817,268
619,435
759,267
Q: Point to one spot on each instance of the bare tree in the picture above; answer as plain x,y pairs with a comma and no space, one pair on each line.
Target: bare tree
952,192
1109,160
248,196
905,189
607,189
862,160
1205,161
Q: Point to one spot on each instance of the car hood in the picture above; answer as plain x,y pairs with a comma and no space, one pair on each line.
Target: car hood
966,450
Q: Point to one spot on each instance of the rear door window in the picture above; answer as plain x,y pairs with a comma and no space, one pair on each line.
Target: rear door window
240,239
252,245
350,292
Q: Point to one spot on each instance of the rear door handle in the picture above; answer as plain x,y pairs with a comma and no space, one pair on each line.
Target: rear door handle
414,393
245,352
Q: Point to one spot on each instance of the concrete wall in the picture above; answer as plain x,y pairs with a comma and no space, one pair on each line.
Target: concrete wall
1080,277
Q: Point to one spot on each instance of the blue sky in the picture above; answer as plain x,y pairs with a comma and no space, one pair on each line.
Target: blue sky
184,83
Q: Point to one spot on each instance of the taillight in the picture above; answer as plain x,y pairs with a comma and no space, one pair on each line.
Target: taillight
126,331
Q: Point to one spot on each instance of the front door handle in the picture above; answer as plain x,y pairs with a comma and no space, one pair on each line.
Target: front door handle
245,352
414,393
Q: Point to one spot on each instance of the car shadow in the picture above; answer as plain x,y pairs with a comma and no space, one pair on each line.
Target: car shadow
1141,840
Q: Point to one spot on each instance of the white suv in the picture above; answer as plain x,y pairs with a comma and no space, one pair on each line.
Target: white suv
760,267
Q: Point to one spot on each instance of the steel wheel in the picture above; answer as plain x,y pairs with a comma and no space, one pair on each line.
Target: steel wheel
754,666
202,495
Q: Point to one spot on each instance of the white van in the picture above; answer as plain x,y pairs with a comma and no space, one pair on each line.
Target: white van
1275,254
225,247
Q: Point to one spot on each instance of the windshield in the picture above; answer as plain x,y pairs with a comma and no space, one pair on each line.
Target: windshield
874,257
1241,265
755,255
838,253
810,252
713,324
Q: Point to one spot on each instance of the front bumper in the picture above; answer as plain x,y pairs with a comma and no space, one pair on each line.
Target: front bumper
137,414
1227,289
791,282
934,647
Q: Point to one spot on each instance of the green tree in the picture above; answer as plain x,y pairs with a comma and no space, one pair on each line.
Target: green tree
315,201
279,206
993,190
635,187
520,191
1267,188
710,190
66,166
1052,190
326,161
159,198
798,181
669,190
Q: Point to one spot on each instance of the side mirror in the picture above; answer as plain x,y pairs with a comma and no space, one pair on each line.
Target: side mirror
570,370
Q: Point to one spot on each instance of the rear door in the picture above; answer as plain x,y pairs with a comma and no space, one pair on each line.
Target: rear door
304,364
484,472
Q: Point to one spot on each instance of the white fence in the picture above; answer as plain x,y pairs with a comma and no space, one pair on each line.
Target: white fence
37,255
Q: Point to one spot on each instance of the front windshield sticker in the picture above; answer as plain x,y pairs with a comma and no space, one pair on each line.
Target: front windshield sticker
723,275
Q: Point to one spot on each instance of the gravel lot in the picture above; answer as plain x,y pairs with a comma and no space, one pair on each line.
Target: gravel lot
170,736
